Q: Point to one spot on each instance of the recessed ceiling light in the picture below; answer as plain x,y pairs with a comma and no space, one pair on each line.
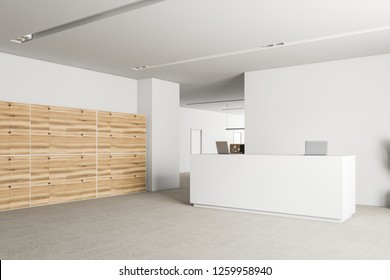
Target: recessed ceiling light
142,67
23,39
280,44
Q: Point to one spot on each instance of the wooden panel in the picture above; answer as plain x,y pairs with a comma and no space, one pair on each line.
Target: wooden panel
104,144
40,120
140,183
57,121
58,193
58,170
40,195
138,164
4,171
74,144
40,170
120,145
73,119
104,186
19,181
57,145
137,125
104,123
118,124
89,189
139,144
4,143
40,144
4,128
117,166
88,144
19,195
73,170
122,186
40,180
4,197
19,167
19,143
88,168
19,121
19,129
87,124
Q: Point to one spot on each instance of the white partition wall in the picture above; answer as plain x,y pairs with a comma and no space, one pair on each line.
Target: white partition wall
159,100
345,102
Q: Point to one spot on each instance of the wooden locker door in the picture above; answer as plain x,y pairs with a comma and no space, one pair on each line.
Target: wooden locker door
104,175
138,164
58,130
104,132
89,176
118,124
4,128
139,143
40,187
140,183
74,177
4,197
19,181
73,133
138,168
58,178
117,186
138,125
4,183
40,130
128,173
87,129
19,126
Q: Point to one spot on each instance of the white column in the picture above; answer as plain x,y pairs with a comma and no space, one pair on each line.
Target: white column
159,100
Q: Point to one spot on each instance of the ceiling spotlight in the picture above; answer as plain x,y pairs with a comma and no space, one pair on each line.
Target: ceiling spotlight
23,39
142,67
280,44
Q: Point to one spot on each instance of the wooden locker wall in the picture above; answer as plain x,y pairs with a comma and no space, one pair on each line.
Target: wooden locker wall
121,153
51,154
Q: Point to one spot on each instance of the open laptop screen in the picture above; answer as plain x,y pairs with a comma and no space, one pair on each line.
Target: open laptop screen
222,147
316,148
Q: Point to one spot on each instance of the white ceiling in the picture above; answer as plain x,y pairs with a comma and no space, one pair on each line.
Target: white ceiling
177,30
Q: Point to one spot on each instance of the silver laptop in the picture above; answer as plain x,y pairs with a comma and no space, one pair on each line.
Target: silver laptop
222,147
316,148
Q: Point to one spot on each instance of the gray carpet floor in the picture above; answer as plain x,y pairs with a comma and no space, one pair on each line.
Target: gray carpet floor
163,225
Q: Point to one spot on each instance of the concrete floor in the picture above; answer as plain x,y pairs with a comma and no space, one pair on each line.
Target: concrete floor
163,225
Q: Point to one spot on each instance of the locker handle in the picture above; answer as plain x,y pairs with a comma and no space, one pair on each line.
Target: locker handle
9,187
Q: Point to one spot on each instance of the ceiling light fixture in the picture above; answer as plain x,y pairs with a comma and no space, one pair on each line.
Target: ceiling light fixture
23,39
142,67
212,102
89,19
273,46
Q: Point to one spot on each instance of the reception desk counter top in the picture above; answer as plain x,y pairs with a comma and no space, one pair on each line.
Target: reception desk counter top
312,187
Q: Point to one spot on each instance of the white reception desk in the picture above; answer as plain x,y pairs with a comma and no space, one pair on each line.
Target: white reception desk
313,187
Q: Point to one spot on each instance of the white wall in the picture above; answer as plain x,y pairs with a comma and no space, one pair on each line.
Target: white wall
213,125
345,102
159,100
33,81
